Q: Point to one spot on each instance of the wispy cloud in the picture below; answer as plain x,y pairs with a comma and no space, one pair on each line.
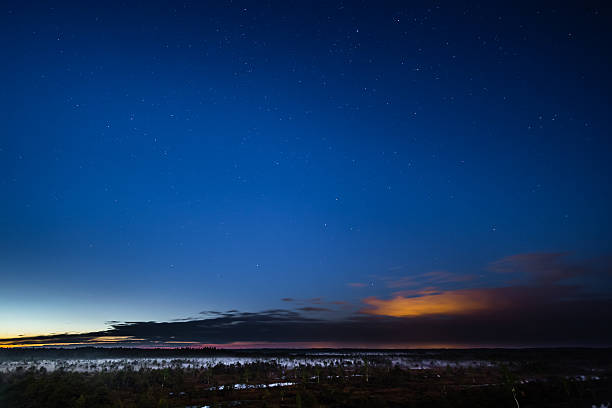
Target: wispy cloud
314,309
542,268
433,278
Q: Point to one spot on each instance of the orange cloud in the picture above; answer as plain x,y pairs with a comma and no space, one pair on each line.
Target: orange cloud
428,303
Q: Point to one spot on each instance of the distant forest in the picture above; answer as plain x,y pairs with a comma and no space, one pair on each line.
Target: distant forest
41,353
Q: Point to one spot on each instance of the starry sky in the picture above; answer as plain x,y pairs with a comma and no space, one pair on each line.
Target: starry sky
253,173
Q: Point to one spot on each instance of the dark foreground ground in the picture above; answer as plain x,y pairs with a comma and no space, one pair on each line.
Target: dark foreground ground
460,378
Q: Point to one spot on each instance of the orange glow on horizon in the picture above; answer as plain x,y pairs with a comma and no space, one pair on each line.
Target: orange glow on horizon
41,345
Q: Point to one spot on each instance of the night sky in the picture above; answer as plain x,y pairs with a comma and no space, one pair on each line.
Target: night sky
265,173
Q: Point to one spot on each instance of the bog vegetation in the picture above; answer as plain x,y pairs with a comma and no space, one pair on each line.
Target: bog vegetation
573,379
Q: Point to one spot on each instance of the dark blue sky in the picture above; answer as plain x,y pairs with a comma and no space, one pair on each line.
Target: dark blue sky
159,159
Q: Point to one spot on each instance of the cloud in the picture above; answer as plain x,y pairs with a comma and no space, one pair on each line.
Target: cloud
574,322
538,278
445,303
548,308
318,302
428,278
471,301
541,268
314,309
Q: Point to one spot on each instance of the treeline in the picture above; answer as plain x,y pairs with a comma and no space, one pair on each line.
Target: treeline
600,355
332,385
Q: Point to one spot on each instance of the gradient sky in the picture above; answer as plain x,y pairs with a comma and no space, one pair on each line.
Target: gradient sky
378,163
